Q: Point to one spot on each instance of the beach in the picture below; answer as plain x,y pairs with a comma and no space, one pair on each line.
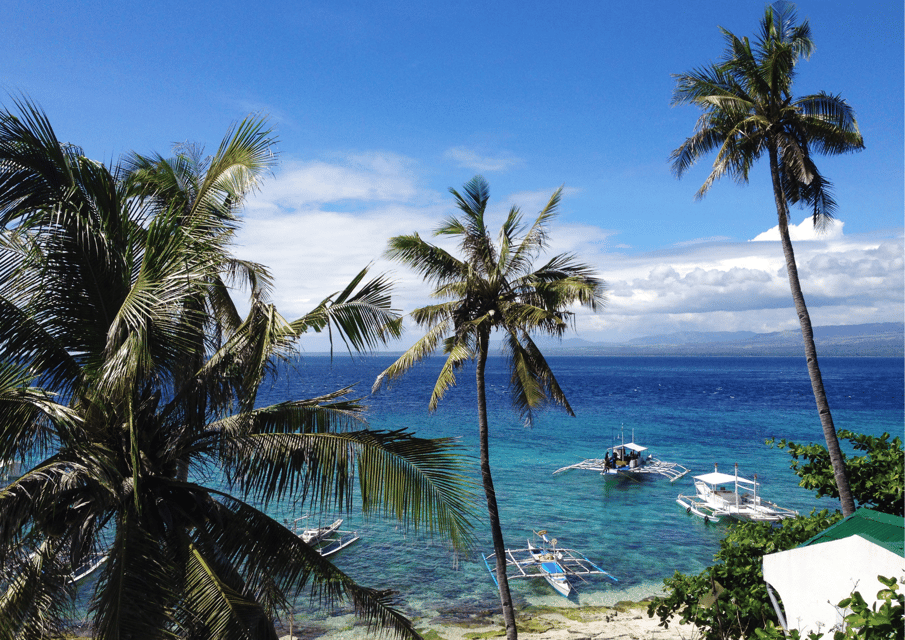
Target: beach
624,620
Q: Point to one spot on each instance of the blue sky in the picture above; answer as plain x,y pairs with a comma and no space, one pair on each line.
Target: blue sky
380,107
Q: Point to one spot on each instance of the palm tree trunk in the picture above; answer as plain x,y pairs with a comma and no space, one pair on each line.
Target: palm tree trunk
499,548
810,350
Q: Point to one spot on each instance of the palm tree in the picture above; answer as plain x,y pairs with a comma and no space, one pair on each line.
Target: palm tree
129,383
748,111
493,287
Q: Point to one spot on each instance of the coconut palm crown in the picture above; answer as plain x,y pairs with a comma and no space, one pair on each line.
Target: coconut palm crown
129,385
494,286
749,111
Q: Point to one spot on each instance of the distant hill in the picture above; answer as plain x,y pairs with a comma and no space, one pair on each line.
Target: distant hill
695,337
885,339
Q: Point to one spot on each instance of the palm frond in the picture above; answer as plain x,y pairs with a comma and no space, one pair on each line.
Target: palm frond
275,558
29,416
421,482
137,571
362,316
536,238
215,608
431,262
245,153
37,600
424,347
458,350
531,378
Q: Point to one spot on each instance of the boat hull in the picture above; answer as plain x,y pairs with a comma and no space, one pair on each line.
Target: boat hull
555,575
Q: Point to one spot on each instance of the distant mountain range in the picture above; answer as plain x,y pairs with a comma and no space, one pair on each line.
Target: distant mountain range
886,339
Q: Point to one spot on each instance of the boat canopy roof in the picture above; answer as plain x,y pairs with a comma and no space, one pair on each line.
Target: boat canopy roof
717,477
631,445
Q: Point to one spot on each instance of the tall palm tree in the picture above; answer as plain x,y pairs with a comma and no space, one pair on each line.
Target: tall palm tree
748,111
129,385
494,287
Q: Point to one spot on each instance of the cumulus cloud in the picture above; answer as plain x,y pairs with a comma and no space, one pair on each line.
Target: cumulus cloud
832,230
318,223
725,286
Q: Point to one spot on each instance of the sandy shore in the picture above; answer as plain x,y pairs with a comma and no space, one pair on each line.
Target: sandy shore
625,620
628,621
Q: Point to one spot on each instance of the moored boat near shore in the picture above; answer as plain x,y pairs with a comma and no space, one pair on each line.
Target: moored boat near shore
732,496
557,565
547,559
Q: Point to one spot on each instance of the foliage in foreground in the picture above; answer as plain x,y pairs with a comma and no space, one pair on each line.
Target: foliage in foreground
885,620
729,599
129,381
876,478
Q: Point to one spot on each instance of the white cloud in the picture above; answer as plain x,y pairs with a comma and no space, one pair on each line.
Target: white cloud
471,159
744,286
366,178
805,231
317,224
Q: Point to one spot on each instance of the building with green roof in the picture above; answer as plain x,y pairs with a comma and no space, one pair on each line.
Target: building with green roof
846,557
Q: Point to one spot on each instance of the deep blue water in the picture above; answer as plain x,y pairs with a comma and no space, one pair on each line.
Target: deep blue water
694,411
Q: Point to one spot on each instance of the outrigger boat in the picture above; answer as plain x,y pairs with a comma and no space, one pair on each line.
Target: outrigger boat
629,460
314,535
335,542
715,498
557,565
326,540
89,565
548,561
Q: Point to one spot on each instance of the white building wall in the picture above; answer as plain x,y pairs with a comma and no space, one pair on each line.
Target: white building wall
812,580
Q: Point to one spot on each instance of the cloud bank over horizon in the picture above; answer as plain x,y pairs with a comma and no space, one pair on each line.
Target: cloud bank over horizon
316,224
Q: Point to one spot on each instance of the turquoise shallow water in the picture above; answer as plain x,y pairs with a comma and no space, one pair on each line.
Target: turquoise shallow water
694,411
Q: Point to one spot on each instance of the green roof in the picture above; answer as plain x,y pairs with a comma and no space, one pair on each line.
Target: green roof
882,529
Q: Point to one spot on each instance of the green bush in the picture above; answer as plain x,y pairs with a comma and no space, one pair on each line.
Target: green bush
875,478
729,599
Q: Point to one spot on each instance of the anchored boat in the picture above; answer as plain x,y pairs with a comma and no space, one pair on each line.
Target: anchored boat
337,541
732,496
547,558
326,540
544,559
89,565
314,535
629,460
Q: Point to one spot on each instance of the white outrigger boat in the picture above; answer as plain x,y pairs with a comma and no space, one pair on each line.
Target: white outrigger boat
315,534
337,541
629,460
89,565
555,564
720,494
547,559
326,540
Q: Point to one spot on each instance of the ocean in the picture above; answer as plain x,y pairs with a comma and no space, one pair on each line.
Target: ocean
695,411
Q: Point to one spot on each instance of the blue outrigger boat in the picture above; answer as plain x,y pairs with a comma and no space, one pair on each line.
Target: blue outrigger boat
557,565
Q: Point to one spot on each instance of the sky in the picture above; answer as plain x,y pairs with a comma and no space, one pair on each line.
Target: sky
380,108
